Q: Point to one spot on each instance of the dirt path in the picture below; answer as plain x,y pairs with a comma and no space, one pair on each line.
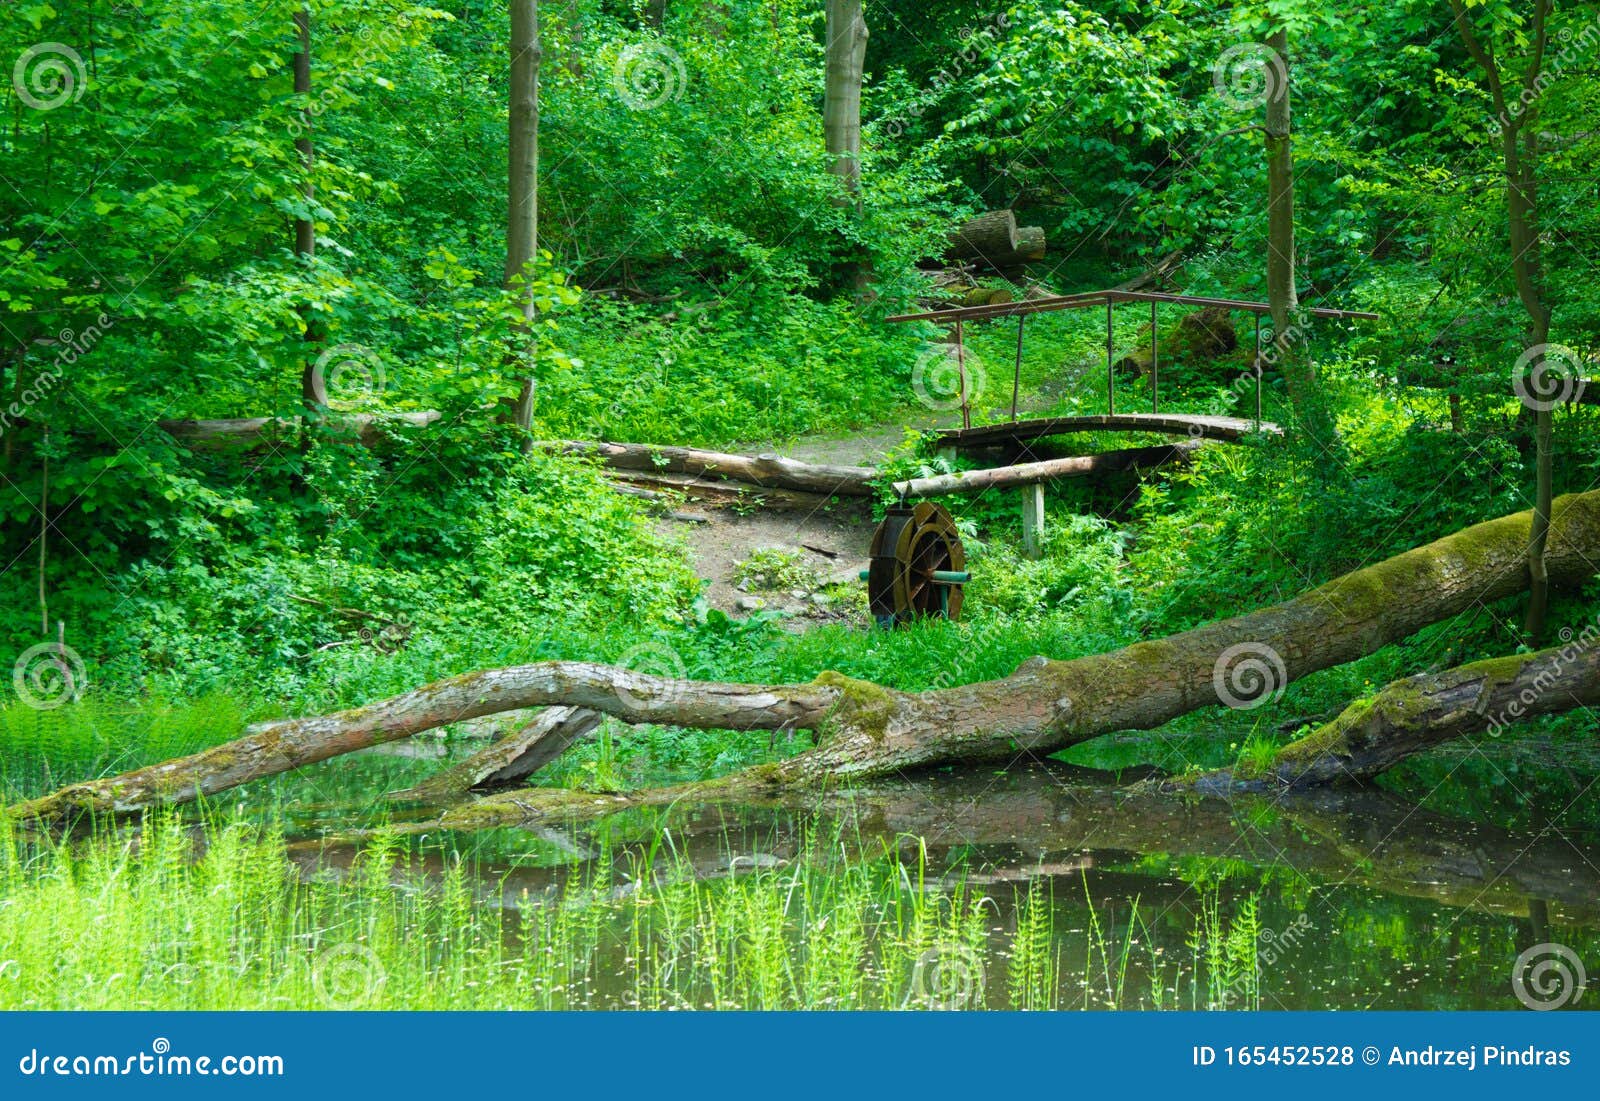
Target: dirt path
829,543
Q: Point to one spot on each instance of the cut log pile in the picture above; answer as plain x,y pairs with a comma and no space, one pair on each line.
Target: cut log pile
994,240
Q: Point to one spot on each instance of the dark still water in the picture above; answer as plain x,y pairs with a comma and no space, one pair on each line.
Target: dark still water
1036,887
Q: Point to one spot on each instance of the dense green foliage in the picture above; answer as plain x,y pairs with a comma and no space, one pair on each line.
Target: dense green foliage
703,280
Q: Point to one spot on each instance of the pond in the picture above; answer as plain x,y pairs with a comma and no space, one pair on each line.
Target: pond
1034,887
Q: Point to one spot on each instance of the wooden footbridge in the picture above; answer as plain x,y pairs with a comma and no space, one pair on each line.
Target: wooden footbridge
1015,435
1182,424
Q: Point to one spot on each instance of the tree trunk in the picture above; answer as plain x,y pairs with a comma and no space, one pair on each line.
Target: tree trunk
1527,264
841,109
757,470
313,388
1299,374
1418,713
522,226
866,730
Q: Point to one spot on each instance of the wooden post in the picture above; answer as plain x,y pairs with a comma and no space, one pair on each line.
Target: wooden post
1033,521
1155,361
1111,378
1258,371
961,370
1016,377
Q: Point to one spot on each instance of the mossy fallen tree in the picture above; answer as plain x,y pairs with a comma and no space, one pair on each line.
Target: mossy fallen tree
865,730
1418,713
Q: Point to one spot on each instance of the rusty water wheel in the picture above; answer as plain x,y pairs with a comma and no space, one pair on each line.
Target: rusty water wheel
917,566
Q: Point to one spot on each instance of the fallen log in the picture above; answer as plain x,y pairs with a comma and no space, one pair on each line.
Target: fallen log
693,488
866,730
1021,474
368,427
1418,713
757,470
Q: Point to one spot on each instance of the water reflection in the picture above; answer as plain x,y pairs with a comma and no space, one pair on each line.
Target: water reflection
1346,898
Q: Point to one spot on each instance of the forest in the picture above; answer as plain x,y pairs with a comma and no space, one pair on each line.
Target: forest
799,504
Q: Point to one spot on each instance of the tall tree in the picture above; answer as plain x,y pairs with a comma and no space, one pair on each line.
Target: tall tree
1519,154
522,220
1299,373
841,111
313,390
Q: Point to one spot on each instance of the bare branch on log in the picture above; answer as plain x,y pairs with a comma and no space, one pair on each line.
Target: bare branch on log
509,760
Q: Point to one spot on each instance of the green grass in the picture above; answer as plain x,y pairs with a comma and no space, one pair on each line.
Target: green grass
172,918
